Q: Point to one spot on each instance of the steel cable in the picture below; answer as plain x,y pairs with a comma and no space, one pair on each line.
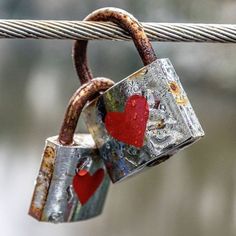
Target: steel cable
173,32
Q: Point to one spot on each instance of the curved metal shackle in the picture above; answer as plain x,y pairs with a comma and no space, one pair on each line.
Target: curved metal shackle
76,104
127,22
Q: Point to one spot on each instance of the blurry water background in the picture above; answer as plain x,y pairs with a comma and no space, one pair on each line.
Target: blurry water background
194,193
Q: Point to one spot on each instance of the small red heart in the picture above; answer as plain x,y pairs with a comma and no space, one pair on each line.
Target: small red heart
86,185
129,126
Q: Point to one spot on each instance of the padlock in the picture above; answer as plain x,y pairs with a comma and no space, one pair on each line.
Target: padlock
72,182
145,118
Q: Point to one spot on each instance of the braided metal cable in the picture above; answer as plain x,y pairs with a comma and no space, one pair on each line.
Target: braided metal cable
44,29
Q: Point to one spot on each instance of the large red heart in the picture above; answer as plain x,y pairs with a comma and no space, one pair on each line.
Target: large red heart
129,126
86,185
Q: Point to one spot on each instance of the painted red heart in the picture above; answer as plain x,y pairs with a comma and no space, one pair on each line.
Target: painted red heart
129,126
86,185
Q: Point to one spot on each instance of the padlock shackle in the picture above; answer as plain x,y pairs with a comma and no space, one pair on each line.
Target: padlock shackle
125,20
76,104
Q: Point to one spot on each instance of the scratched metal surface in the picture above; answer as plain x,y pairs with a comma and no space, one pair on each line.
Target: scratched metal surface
54,198
172,123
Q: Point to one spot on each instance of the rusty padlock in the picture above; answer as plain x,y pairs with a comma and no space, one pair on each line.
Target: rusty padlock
145,118
72,182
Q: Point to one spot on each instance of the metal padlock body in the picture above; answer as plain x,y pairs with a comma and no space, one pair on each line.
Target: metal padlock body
171,124
57,197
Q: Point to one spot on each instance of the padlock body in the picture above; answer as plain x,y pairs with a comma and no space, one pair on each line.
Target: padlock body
72,182
142,120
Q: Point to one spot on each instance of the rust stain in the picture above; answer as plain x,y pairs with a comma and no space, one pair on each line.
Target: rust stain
161,124
125,20
43,183
181,101
138,74
76,104
174,88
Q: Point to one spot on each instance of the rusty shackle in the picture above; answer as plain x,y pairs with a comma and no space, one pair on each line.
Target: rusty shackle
127,22
76,104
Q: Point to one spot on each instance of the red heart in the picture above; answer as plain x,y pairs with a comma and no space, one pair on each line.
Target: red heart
86,185
129,126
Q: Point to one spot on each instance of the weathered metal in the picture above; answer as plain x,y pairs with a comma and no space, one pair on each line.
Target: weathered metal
55,198
72,182
76,104
162,123
124,20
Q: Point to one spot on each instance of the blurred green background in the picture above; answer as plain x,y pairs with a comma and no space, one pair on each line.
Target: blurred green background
194,193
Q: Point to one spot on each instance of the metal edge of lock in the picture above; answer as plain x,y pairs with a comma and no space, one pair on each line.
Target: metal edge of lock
54,199
180,96
173,92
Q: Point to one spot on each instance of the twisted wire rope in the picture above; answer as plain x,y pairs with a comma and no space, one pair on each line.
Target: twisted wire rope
61,29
